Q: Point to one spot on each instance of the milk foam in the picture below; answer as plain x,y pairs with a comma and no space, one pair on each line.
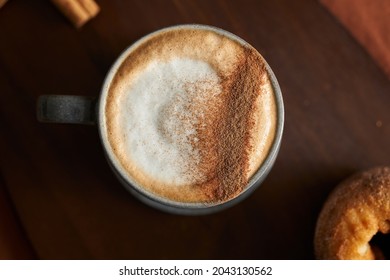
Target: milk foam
158,126
186,119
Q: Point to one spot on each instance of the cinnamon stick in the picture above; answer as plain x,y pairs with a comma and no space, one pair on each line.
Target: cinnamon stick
2,3
77,11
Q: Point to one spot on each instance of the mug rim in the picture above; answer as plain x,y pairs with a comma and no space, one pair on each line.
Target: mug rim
165,204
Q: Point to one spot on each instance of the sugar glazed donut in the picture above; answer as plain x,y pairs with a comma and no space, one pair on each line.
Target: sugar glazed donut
354,212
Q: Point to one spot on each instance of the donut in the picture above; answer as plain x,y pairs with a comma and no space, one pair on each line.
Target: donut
355,211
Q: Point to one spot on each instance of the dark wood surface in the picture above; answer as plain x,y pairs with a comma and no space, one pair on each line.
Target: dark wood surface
70,205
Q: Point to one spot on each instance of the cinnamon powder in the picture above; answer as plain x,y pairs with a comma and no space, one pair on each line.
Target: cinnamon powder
230,135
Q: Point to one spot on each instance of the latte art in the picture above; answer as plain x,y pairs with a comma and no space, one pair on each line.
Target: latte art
190,115
166,107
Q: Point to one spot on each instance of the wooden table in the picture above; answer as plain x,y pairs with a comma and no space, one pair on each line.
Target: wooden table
68,203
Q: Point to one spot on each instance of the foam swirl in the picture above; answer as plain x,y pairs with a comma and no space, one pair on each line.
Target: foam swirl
191,115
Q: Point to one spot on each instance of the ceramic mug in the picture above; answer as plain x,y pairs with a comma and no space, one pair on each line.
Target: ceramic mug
87,110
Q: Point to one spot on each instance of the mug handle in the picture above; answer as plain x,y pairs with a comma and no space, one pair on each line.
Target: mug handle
71,109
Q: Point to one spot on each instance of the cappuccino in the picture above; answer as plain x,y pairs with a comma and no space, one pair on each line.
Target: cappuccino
190,115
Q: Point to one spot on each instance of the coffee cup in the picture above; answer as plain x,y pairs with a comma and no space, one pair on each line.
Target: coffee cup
190,118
